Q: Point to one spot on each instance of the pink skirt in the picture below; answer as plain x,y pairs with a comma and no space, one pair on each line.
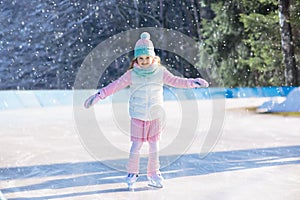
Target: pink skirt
145,131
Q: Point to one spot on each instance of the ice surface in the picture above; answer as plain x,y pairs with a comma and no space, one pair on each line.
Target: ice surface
257,157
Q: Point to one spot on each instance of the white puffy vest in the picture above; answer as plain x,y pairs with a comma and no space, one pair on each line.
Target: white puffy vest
146,99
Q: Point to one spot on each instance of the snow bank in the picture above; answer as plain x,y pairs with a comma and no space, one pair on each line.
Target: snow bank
290,104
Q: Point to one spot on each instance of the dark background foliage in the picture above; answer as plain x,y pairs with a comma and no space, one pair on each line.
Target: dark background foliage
44,42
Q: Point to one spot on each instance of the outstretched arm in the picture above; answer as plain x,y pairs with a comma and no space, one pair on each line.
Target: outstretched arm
175,81
110,89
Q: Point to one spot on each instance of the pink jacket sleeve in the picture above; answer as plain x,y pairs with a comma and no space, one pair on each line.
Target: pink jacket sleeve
175,81
115,86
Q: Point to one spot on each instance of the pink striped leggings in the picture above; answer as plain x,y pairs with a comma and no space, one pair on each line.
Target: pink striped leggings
153,159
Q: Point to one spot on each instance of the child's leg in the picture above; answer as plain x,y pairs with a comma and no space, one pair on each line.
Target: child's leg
153,161
134,158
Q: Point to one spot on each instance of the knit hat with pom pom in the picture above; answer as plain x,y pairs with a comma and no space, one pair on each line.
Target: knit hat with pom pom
144,46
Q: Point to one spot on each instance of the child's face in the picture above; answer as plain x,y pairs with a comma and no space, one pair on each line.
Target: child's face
144,61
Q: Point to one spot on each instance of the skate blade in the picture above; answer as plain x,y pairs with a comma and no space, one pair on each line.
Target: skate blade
155,186
131,187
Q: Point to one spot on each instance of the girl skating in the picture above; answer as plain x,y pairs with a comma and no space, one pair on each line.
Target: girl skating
146,78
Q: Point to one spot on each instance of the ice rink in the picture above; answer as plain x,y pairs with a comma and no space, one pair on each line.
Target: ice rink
257,156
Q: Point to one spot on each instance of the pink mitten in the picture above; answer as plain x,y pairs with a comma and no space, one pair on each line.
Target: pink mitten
201,82
92,100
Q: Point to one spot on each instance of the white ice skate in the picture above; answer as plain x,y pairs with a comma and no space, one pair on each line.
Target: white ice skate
131,180
156,181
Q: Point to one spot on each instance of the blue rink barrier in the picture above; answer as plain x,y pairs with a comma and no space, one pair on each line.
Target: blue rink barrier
257,92
17,99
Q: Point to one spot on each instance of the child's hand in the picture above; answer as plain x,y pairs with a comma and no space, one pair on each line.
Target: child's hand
201,82
92,100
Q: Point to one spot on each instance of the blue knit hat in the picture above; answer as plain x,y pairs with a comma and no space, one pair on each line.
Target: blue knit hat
144,46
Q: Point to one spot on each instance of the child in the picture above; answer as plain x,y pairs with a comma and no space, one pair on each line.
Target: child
146,78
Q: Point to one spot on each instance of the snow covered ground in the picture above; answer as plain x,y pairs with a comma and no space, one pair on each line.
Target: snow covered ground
256,157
